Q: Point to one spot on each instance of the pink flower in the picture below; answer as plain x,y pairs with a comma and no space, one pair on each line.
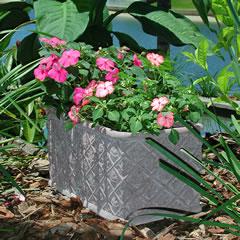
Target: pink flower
112,75
49,61
166,120
85,102
69,58
120,56
73,114
57,73
105,64
159,103
155,59
78,95
54,41
136,61
40,72
104,89
90,88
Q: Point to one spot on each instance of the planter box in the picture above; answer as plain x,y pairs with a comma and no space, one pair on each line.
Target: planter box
222,110
116,173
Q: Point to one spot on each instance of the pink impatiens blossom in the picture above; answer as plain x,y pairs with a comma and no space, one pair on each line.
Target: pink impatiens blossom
112,75
120,56
40,72
155,59
54,41
104,88
159,103
78,95
136,61
90,88
73,114
105,64
166,120
57,73
49,61
69,58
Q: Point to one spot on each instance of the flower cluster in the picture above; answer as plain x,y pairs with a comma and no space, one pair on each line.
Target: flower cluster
54,66
116,88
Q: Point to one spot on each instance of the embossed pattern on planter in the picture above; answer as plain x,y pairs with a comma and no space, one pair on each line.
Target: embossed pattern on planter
114,176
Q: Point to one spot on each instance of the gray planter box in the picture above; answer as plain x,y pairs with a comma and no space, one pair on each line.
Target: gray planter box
116,173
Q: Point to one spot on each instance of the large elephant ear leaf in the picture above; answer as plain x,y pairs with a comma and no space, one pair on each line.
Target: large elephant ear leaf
173,28
60,19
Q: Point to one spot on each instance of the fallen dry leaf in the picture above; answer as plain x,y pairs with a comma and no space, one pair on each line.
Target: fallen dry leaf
5,213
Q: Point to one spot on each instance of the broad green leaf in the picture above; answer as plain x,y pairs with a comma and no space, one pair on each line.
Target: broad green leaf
125,115
114,116
201,54
223,79
29,131
173,136
135,125
126,40
61,19
194,116
172,27
97,113
28,49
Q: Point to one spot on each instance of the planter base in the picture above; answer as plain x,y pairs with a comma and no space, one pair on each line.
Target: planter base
117,173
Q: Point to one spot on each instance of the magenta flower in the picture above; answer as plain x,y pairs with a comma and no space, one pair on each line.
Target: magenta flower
78,95
166,120
155,59
40,72
49,61
57,73
112,75
69,58
54,41
73,114
136,61
159,103
105,64
104,88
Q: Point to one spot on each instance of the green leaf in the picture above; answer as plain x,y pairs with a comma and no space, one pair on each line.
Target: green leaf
172,27
125,115
97,113
114,116
61,19
173,136
236,124
203,7
126,40
135,125
29,131
28,49
194,116
223,79
201,54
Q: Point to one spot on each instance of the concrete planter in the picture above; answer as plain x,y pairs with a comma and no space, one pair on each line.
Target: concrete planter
222,110
116,173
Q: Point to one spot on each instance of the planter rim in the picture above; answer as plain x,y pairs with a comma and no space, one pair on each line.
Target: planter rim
222,105
119,134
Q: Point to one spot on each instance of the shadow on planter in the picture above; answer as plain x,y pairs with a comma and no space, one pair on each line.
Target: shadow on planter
117,173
